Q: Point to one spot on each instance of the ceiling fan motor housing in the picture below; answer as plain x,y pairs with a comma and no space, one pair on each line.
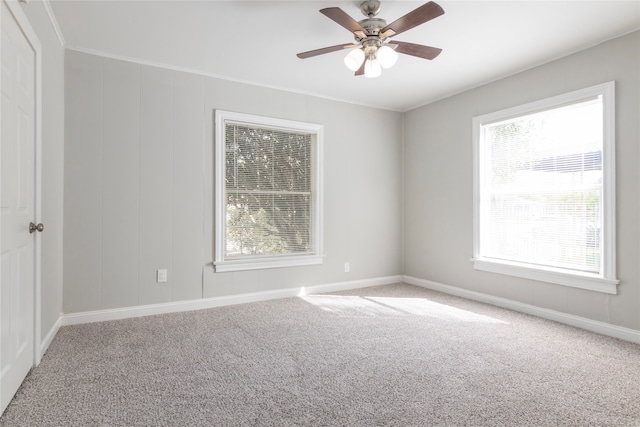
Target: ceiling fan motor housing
373,25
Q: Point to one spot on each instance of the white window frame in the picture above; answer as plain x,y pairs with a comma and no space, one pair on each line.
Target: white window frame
266,261
604,281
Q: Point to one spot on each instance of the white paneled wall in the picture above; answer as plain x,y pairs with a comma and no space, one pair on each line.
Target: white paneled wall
83,184
139,185
188,186
156,184
120,183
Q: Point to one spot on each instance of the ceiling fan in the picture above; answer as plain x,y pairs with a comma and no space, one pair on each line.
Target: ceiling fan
372,49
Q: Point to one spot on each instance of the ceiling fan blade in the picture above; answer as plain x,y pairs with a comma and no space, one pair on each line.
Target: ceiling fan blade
360,71
418,16
324,50
421,51
339,16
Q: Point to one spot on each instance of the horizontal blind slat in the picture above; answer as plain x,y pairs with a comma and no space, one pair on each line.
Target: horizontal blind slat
543,196
268,191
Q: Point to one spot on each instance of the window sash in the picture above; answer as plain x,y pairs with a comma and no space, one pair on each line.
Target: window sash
256,227
256,233
592,276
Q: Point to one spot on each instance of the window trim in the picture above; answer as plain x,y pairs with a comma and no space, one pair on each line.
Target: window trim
605,281
220,264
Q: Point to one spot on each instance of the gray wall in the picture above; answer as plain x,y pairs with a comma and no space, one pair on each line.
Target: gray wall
438,238
139,185
52,163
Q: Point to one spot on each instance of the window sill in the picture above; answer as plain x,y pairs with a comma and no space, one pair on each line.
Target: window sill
576,279
263,263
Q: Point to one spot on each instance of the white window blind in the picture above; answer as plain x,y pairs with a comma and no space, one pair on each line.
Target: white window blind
542,196
543,188
268,192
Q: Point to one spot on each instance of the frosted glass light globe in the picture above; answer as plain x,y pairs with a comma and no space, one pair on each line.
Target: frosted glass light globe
372,68
354,59
387,56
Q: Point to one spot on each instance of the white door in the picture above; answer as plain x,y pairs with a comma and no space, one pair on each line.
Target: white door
17,130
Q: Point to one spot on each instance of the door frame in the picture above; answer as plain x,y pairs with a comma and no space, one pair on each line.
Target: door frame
25,26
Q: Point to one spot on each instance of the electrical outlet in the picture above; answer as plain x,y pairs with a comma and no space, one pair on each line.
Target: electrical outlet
161,276
347,267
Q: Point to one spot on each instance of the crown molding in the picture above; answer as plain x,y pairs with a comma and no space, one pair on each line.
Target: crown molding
54,22
170,67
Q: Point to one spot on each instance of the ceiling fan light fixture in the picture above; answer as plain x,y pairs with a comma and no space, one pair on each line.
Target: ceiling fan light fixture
354,59
372,48
372,68
387,56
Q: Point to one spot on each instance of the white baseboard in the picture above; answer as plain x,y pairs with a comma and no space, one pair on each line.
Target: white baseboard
569,319
44,345
346,286
199,304
626,334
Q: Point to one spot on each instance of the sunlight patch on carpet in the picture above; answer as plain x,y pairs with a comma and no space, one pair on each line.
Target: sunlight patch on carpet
356,306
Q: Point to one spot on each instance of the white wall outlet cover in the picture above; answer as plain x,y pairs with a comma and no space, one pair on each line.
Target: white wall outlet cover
161,276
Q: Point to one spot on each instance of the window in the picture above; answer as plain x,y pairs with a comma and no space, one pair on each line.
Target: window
268,192
544,194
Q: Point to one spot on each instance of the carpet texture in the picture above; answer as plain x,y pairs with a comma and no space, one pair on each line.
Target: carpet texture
394,355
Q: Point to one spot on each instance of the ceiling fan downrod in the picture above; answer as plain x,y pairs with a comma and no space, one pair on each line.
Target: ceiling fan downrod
370,8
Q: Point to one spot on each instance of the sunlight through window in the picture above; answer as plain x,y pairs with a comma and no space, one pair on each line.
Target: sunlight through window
355,306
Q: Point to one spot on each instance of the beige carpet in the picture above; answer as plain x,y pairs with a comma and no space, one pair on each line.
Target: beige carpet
394,355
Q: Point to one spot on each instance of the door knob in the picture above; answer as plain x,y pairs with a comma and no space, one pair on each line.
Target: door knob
33,228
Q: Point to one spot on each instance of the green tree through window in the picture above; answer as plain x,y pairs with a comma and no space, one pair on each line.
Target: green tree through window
268,183
268,192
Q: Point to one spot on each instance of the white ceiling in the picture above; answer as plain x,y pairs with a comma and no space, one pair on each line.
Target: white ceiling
257,41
